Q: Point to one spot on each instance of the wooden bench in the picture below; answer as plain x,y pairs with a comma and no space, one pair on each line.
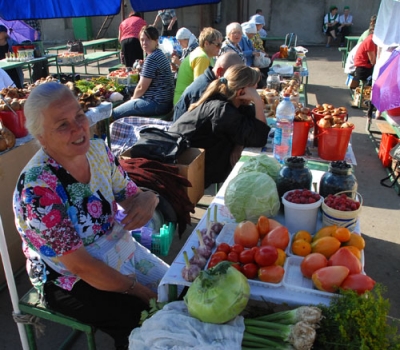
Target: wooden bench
97,57
31,305
89,44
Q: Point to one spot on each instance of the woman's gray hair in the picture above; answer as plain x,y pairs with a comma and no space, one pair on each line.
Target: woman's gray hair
231,26
39,100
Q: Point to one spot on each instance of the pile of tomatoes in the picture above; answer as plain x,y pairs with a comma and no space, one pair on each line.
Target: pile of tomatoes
258,250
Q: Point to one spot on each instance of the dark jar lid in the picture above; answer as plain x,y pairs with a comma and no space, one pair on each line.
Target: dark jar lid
340,168
295,162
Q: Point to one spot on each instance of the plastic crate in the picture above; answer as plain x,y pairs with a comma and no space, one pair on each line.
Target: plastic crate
388,141
160,242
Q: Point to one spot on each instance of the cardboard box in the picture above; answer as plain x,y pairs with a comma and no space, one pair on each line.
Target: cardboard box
191,164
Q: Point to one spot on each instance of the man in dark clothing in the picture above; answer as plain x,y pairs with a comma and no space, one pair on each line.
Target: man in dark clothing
194,91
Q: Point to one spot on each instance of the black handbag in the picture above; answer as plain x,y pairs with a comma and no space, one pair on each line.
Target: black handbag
159,145
75,46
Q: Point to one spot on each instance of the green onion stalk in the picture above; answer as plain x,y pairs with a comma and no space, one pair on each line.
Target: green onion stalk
300,336
309,314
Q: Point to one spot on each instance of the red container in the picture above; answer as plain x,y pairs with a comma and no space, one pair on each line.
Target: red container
15,123
388,141
318,116
394,112
333,142
300,137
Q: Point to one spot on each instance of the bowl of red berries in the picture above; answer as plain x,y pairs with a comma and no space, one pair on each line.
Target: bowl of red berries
342,209
301,210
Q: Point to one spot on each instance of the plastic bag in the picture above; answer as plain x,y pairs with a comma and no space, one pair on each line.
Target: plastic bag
261,61
165,330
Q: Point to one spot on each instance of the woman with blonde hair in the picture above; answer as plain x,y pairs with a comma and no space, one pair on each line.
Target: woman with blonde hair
228,117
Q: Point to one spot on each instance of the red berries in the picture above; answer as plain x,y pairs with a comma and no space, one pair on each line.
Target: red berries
341,202
302,197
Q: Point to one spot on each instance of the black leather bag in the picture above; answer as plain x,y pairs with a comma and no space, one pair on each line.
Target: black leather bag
75,46
159,145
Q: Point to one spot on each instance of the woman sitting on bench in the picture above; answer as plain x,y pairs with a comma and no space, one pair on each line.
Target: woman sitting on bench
154,93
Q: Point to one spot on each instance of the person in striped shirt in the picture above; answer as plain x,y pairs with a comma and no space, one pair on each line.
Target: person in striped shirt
155,89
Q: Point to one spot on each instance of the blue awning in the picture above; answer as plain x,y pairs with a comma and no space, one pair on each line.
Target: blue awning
46,9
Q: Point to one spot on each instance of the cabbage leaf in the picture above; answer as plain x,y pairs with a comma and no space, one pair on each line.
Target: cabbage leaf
263,164
251,194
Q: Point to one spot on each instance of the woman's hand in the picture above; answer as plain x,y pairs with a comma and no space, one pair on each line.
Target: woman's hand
256,54
139,209
250,94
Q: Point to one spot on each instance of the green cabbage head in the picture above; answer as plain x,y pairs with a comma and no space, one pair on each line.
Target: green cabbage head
263,164
251,194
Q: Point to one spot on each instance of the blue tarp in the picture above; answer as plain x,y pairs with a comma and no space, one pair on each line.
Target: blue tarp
46,9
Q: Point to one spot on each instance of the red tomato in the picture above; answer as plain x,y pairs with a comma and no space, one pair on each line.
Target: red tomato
221,254
246,234
238,248
246,256
263,226
233,256
271,274
266,255
311,263
250,270
344,257
255,249
237,267
224,247
278,237
214,261
358,282
328,279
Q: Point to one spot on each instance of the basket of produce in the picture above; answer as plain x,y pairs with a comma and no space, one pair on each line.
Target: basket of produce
342,209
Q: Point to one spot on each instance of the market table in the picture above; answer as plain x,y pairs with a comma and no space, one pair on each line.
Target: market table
294,290
4,64
89,44
279,62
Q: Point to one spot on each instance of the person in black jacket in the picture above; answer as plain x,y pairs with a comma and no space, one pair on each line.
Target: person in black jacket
228,117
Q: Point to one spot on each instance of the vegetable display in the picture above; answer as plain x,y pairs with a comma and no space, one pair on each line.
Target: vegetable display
250,195
218,295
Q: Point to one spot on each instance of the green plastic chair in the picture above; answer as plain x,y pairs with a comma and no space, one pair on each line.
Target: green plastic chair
30,304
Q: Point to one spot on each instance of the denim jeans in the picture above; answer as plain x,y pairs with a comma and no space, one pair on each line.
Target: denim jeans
141,107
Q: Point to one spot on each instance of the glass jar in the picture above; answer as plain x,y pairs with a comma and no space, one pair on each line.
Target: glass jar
274,82
293,175
339,178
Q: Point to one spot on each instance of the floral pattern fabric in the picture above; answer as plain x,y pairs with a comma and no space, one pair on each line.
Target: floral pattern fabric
56,214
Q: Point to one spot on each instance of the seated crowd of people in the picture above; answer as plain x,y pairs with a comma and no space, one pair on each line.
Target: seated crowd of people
204,63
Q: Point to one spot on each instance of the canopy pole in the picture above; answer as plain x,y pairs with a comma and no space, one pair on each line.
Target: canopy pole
11,285
122,10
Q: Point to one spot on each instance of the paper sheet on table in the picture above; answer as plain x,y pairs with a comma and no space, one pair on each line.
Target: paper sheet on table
283,70
174,329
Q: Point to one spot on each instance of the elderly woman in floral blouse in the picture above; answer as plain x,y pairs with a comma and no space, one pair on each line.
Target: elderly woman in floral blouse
83,262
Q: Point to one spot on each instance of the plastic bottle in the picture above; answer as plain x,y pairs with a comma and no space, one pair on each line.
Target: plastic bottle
284,129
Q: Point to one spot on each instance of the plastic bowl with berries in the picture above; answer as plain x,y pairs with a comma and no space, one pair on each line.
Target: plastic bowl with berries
301,210
342,209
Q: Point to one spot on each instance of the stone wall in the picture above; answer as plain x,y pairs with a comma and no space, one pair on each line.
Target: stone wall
285,16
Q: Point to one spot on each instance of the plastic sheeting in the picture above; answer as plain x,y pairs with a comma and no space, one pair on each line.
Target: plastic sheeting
46,9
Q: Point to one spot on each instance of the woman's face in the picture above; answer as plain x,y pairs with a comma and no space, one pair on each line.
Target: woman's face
184,43
212,48
235,36
250,35
148,45
65,130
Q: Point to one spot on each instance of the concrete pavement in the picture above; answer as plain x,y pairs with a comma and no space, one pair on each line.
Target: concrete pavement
380,219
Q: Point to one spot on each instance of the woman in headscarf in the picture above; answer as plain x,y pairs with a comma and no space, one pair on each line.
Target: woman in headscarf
188,41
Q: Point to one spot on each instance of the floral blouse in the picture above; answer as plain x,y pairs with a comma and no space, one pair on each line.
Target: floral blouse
257,42
55,214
